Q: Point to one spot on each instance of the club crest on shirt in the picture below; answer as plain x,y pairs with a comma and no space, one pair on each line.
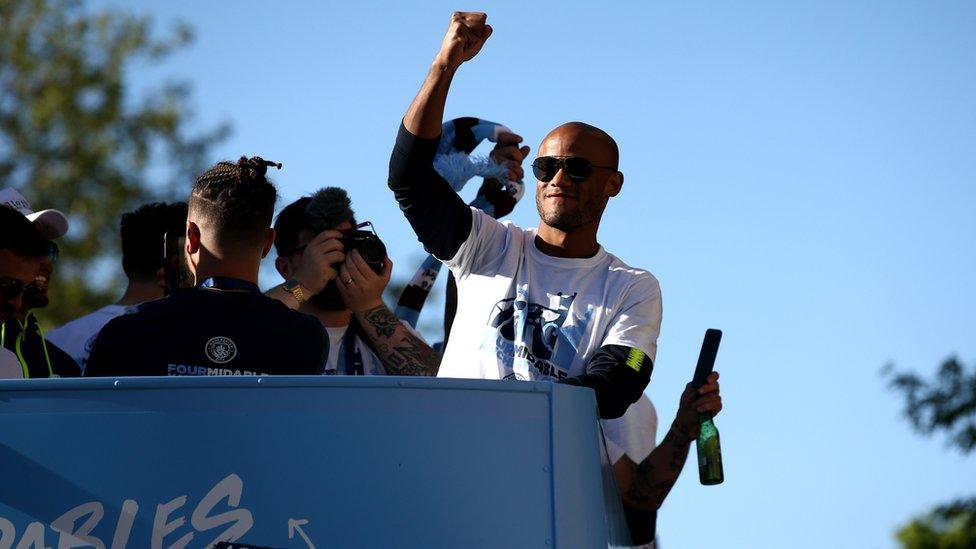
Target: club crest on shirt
221,349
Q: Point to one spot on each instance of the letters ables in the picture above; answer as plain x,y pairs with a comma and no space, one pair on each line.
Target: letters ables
167,521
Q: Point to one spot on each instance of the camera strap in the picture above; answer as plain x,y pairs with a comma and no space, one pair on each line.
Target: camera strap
351,358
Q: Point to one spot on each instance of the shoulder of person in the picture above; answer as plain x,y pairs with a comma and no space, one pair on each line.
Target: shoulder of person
149,312
299,319
480,219
70,326
64,364
636,276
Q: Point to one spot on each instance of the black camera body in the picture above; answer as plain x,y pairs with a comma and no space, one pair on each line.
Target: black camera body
370,247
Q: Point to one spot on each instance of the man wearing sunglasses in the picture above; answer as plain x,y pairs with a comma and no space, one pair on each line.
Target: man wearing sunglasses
21,332
21,249
548,303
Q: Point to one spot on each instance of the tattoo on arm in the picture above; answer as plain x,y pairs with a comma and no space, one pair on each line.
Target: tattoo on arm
655,476
382,320
401,352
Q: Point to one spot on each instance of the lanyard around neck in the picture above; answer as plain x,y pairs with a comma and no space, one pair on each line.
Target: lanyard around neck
227,283
352,359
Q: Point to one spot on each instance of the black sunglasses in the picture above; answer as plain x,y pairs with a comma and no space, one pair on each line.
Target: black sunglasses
10,288
577,168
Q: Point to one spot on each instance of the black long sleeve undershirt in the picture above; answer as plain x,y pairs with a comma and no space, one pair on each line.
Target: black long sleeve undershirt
439,217
616,383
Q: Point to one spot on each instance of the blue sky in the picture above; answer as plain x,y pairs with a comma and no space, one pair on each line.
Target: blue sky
800,175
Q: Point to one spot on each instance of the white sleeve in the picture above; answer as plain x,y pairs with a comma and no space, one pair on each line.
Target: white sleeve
634,433
638,323
10,367
485,246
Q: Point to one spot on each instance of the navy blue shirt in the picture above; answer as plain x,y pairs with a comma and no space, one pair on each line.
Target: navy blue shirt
222,327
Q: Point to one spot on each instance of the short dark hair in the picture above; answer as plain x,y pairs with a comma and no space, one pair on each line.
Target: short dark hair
291,221
237,198
142,233
19,235
327,208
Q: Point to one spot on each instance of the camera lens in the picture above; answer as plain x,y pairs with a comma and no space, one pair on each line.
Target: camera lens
373,251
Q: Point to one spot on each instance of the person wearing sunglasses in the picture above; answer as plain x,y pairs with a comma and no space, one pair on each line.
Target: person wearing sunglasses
545,303
21,332
21,250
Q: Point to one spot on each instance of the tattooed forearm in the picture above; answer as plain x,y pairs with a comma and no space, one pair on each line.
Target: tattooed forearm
401,352
382,320
654,477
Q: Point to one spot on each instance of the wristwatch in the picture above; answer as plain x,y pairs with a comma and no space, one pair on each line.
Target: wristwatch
295,288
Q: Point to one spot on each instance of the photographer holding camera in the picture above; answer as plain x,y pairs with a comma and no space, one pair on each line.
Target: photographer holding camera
337,274
224,325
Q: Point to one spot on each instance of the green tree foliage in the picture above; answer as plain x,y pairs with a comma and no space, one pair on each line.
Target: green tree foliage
951,526
75,137
946,403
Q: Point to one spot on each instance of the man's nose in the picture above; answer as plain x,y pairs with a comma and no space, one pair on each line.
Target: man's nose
561,180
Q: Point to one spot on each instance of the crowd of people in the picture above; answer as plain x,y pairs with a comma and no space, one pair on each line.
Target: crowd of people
548,303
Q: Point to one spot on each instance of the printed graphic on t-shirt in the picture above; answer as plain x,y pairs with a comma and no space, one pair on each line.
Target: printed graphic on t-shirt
532,339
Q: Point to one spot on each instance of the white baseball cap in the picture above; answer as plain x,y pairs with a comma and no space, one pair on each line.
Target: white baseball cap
52,223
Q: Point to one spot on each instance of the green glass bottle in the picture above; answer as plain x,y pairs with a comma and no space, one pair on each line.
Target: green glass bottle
709,452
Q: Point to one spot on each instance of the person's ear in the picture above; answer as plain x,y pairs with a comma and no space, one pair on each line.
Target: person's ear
269,237
192,237
615,183
284,268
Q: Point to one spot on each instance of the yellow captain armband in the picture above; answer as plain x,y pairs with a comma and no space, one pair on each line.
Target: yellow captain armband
635,359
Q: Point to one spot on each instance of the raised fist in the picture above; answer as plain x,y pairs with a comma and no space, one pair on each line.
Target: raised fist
465,36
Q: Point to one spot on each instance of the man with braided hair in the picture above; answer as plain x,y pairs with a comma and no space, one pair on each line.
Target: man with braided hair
224,325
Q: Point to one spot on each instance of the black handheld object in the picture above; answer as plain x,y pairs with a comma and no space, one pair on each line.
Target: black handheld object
706,358
175,270
370,247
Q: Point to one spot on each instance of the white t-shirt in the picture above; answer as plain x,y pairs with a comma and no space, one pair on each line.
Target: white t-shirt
525,315
337,363
76,337
633,434
10,367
